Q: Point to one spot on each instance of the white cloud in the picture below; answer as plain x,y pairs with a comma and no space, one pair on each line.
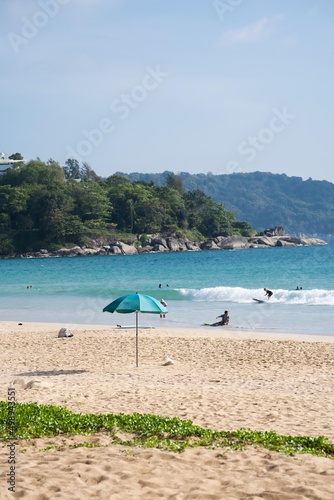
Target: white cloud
251,33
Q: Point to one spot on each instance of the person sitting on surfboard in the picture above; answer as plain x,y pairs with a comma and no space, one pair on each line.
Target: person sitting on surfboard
268,293
225,319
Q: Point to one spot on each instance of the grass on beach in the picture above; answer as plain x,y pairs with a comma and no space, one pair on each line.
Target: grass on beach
30,420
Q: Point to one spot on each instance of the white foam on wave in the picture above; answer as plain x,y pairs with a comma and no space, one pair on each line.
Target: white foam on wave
246,295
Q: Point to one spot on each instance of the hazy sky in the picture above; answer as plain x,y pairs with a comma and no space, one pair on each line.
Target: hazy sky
197,86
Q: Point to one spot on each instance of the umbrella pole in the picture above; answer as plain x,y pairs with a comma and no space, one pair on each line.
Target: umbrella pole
137,339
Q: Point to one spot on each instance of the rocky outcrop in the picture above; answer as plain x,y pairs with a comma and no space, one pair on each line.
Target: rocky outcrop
273,231
238,242
264,241
127,249
161,243
176,245
283,243
301,240
209,245
231,242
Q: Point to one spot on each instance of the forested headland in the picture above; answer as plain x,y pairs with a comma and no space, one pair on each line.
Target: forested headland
46,205
265,199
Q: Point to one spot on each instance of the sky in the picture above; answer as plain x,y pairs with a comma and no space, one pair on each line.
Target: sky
196,86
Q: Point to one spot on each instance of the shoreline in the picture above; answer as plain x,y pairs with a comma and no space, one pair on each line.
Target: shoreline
163,243
199,331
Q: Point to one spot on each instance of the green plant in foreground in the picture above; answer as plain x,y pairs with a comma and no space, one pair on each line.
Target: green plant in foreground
85,445
151,431
47,448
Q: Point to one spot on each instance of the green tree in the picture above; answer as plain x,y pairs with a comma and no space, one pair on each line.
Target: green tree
72,169
173,207
12,202
16,156
175,182
210,218
87,173
91,202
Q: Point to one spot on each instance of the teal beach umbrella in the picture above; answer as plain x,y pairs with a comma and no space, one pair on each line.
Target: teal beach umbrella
136,302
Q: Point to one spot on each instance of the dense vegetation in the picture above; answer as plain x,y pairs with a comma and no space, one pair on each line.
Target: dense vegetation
30,420
265,199
44,205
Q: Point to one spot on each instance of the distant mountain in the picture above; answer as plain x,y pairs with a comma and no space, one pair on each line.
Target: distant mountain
264,199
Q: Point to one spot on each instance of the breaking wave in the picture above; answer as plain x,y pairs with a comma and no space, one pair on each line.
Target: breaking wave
246,295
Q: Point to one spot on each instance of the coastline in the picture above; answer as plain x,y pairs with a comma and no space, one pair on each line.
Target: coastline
221,379
199,331
163,243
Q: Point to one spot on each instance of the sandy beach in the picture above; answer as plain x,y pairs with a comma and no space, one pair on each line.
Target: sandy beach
221,379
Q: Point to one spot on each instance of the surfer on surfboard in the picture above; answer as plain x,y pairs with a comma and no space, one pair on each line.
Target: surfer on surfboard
268,293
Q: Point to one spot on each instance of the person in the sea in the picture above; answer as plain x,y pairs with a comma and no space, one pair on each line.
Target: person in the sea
268,293
164,303
225,319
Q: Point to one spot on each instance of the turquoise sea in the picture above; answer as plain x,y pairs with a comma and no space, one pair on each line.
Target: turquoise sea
201,285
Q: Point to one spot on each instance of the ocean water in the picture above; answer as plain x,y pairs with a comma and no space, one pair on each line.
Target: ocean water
198,286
